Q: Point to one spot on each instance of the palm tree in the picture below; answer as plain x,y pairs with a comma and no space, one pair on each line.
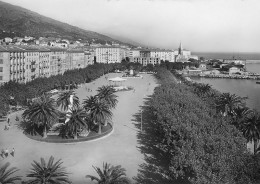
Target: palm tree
5,174
251,128
107,93
76,122
64,100
110,175
239,116
42,113
226,103
48,173
202,89
98,110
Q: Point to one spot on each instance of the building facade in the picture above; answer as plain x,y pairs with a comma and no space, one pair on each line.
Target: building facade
165,55
89,58
147,60
26,63
133,53
110,54
75,59
58,64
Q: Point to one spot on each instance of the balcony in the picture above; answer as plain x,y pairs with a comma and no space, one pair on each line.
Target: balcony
33,69
33,62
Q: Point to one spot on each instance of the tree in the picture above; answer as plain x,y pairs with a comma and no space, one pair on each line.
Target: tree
47,173
42,113
6,174
107,93
202,89
76,122
239,116
110,175
226,103
192,140
98,110
251,129
64,100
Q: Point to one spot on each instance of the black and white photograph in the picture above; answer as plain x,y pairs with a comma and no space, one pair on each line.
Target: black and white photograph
129,91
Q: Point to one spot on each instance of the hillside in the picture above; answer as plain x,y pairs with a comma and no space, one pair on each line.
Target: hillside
18,21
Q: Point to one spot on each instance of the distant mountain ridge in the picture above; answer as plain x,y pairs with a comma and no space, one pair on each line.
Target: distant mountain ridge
25,22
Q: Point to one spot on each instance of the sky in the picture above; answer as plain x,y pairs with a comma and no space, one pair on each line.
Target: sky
201,25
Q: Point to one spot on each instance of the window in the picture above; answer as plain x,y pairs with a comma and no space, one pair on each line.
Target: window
1,61
1,78
1,69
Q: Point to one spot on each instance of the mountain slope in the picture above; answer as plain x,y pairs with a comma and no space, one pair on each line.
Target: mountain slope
25,22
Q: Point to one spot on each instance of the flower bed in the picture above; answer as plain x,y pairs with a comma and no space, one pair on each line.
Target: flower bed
57,139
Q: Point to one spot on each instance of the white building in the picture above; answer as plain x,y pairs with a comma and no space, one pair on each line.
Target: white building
165,55
147,60
233,70
8,40
134,53
182,55
110,54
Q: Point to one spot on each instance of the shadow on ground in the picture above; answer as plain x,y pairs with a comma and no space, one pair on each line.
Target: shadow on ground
155,169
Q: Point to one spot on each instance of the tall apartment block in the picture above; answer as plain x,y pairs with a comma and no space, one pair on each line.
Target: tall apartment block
110,54
25,63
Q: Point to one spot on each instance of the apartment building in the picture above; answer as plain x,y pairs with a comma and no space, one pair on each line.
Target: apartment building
44,62
75,59
133,53
4,65
165,55
145,53
14,63
110,54
25,63
147,60
89,57
58,63
32,63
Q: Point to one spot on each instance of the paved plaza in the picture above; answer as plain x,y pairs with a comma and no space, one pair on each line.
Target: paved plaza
119,148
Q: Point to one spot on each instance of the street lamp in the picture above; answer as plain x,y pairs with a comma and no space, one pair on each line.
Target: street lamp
141,120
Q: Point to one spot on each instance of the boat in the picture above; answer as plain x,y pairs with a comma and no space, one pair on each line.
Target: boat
257,82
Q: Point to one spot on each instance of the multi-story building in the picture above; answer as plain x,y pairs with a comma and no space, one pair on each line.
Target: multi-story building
110,54
75,59
4,65
145,53
25,63
15,62
32,63
89,57
133,53
165,55
44,62
58,63
147,60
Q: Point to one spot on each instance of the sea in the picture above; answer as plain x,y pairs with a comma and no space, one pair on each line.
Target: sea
241,87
